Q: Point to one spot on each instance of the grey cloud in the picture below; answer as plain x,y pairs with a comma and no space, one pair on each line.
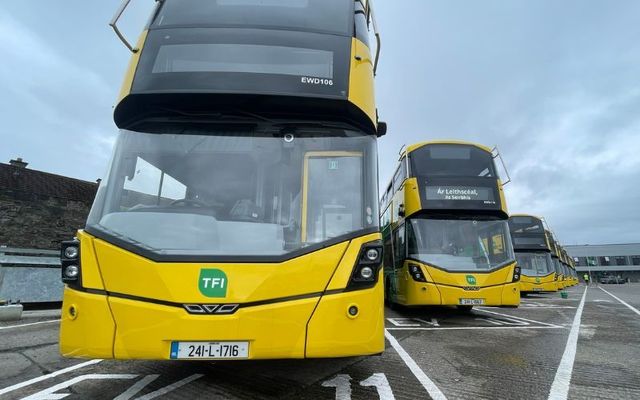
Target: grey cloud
554,84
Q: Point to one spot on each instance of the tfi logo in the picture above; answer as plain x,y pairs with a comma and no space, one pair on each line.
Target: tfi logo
213,283
471,280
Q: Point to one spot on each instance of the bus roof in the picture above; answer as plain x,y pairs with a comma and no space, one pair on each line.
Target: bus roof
416,146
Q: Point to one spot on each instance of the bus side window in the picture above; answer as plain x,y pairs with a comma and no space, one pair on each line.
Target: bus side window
400,175
386,218
361,23
398,247
389,194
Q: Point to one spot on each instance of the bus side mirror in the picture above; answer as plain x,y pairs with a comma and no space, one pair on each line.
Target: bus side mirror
382,129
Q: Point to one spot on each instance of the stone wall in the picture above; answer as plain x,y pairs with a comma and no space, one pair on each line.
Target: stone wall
35,221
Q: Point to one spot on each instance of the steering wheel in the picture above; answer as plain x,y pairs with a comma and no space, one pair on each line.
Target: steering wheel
189,202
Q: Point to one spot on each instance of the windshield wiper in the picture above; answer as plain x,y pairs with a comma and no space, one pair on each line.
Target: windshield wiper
225,114
313,124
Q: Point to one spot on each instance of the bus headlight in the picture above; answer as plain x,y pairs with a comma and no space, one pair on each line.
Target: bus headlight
70,262
368,264
71,271
372,254
366,272
516,274
71,252
416,273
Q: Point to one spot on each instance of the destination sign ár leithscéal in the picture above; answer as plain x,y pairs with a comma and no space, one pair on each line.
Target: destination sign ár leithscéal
459,193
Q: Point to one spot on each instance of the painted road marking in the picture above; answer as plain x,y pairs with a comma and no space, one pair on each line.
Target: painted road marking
403,322
171,387
137,387
29,324
342,383
50,393
427,383
562,381
469,328
380,382
504,321
44,377
409,322
535,304
630,307
519,318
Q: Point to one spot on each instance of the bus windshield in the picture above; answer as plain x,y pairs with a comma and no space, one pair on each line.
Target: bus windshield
459,245
451,160
535,264
557,266
225,193
525,224
330,16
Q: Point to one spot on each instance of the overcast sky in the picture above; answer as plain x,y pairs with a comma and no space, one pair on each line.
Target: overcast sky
555,84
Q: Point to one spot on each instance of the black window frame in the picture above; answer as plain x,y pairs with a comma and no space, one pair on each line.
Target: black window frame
399,251
400,175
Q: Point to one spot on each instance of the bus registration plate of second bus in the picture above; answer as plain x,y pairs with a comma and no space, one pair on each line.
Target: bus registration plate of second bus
209,350
471,302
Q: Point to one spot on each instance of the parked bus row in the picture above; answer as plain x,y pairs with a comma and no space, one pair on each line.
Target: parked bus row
545,265
239,217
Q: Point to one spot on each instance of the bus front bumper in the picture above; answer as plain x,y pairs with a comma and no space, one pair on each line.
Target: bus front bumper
507,295
101,326
530,286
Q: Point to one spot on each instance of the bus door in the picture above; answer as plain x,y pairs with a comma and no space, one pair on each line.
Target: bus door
400,277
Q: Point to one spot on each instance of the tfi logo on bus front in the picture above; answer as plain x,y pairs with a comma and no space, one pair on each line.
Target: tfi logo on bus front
212,283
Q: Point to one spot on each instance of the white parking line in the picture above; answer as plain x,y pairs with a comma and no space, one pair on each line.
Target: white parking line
562,381
632,308
520,318
51,375
29,324
427,383
465,328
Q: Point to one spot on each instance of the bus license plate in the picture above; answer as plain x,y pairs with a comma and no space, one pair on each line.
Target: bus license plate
537,289
209,350
471,302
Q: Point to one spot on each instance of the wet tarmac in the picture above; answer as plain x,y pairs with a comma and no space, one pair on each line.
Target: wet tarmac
579,347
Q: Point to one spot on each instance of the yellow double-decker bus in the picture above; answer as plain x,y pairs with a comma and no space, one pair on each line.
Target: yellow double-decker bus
555,258
572,264
445,231
570,269
533,253
238,218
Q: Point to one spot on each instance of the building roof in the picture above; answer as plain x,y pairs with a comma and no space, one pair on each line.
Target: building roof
15,178
610,250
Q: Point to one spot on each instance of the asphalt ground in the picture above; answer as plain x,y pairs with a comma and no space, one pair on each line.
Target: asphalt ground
538,351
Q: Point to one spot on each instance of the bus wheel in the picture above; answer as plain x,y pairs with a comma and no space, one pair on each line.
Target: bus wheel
464,308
